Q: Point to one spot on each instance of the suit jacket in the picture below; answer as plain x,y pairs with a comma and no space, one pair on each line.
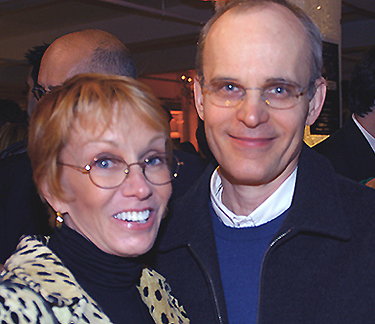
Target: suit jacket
349,152
319,268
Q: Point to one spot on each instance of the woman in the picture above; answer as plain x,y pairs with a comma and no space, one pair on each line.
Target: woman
108,211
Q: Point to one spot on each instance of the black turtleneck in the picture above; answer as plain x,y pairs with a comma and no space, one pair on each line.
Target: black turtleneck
109,279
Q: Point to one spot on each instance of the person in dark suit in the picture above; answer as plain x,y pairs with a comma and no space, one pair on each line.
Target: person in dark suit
271,234
351,149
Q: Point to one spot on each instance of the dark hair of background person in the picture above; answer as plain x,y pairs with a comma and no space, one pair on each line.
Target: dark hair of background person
34,57
361,94
12,133
11,112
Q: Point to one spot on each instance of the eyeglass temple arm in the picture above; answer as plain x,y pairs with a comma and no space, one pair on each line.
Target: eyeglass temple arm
80,169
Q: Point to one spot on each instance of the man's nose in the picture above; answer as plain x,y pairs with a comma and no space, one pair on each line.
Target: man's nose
252,110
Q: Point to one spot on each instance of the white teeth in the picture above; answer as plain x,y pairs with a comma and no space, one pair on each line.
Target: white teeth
140,217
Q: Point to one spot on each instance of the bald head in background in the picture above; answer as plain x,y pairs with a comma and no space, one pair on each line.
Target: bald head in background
86,51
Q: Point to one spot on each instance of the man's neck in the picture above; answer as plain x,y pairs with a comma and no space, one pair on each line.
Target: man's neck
244,199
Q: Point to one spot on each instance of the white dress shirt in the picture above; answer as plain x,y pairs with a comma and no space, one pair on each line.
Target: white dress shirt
274,205
365,133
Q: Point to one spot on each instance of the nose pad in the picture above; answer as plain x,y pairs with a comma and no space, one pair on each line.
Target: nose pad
252,110
136,184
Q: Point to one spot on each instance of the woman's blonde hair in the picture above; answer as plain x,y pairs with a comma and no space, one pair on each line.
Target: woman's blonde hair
94,101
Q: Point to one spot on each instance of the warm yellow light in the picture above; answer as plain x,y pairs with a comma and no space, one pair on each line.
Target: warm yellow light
319,7
183,77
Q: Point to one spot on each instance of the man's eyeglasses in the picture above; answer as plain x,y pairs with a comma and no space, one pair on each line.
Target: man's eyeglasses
109,172
38,91
278,95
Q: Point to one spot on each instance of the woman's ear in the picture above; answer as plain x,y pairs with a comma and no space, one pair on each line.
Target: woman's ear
317,101
198,97
56,203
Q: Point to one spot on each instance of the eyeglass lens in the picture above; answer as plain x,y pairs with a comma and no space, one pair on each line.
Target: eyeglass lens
275,95
109,173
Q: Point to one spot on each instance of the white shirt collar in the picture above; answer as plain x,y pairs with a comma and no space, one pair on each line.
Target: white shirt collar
274,205
365,133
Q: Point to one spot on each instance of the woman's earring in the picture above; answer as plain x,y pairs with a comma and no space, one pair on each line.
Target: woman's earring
165,213
59,220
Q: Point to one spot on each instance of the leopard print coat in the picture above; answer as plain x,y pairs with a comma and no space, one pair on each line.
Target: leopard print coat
37,288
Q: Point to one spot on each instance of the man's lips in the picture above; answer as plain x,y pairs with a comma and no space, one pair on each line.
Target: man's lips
252,140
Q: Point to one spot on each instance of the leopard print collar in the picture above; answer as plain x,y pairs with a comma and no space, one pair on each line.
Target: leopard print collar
36,266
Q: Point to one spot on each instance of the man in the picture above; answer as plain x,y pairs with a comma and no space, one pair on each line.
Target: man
272,235
351,149
34,57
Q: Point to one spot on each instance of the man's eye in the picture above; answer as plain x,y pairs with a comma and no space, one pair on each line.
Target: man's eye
227,88
283,90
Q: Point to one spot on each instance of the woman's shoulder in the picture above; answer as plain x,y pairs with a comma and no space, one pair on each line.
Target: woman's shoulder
20,304
156,294
36,271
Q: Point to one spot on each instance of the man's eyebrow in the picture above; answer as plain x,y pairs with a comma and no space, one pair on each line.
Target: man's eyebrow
281,80
267,81
223,79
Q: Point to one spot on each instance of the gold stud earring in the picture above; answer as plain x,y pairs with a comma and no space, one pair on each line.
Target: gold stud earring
59,220
165,213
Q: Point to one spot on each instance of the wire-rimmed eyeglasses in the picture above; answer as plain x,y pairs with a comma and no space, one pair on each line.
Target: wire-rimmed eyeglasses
109,172
278,95
38,91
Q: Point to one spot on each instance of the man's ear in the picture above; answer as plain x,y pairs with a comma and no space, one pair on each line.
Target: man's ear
198,97
316,103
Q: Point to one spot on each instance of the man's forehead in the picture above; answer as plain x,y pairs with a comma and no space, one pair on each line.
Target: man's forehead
266,15
257,35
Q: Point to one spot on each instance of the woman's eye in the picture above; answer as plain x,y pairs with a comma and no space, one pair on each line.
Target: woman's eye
106,163
155,160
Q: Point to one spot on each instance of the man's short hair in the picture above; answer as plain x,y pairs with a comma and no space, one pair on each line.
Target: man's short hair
312,31
119,62
362,85
109,55
34,57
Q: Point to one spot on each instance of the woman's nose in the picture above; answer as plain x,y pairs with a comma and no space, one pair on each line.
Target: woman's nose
136,184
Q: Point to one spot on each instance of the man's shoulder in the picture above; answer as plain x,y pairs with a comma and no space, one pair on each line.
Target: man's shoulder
340,140
190,169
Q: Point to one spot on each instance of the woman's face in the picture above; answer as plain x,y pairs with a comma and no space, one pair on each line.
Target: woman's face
110,217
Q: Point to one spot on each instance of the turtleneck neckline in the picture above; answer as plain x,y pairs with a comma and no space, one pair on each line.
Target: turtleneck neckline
109,279
90,264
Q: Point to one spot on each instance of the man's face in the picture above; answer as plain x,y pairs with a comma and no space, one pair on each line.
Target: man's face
254,143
